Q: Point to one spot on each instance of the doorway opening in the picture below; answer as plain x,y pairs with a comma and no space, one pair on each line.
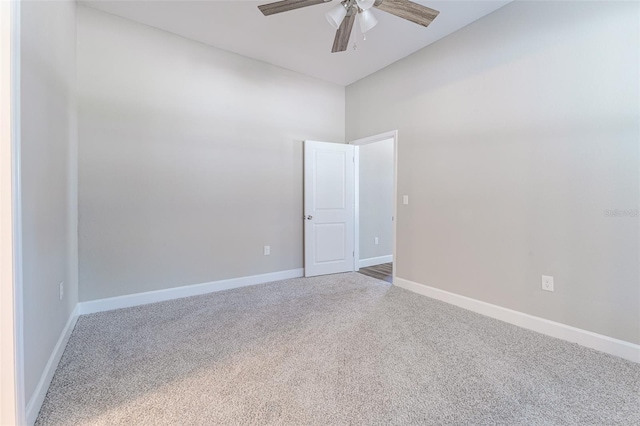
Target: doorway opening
375,205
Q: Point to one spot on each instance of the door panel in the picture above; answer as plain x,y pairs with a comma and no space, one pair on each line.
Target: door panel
330,242
329,208
330,180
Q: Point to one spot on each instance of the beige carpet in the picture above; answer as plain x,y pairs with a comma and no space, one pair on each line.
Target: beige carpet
335,350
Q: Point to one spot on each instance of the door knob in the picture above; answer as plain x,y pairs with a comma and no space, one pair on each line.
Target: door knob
309,217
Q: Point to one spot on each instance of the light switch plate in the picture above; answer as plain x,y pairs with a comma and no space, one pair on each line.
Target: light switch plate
267,250
405,199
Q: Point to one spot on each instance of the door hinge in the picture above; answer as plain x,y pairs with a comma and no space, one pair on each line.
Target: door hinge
353,254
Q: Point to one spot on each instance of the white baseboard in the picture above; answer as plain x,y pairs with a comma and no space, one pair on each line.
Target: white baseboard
137,299
372,261
36,400
620,348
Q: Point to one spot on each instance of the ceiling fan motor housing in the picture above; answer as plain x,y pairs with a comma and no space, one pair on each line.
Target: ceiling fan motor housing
348,4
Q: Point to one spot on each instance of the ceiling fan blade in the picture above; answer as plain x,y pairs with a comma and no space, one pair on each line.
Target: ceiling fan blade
414,12
287,5
341,41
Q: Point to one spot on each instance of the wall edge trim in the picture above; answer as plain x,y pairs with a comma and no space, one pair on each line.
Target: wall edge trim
620,348
144,298
36,400
372,261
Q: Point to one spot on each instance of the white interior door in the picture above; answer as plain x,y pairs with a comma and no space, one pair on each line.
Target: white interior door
329,208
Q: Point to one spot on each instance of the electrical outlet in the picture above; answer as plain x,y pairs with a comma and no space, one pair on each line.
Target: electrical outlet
267,250
375,240
547,283
61,289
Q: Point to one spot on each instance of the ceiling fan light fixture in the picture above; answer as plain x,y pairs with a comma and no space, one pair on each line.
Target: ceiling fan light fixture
367,20
343,16
365,4
336,15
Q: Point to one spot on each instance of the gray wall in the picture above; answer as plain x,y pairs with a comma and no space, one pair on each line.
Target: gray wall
190,158
516,135
49,177
376,199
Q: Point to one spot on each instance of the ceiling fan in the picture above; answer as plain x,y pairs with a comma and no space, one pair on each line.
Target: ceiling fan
343,16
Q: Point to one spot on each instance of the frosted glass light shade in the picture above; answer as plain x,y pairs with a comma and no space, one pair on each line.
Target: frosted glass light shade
367,21
365,4
336,15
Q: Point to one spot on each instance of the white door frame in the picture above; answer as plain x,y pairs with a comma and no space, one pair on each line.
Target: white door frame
12,406
393,134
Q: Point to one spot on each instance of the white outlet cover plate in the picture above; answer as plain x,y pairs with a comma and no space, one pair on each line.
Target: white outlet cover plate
547,283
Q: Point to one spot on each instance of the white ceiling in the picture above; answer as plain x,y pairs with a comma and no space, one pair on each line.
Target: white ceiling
299,40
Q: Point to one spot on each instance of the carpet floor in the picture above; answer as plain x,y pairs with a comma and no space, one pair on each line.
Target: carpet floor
343,349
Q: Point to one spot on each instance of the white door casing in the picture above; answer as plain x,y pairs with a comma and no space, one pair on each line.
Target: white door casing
328,208
11,350
365,141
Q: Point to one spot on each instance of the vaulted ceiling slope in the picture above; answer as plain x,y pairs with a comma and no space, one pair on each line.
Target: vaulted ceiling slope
299,40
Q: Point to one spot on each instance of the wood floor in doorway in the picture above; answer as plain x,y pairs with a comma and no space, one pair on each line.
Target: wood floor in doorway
382,272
